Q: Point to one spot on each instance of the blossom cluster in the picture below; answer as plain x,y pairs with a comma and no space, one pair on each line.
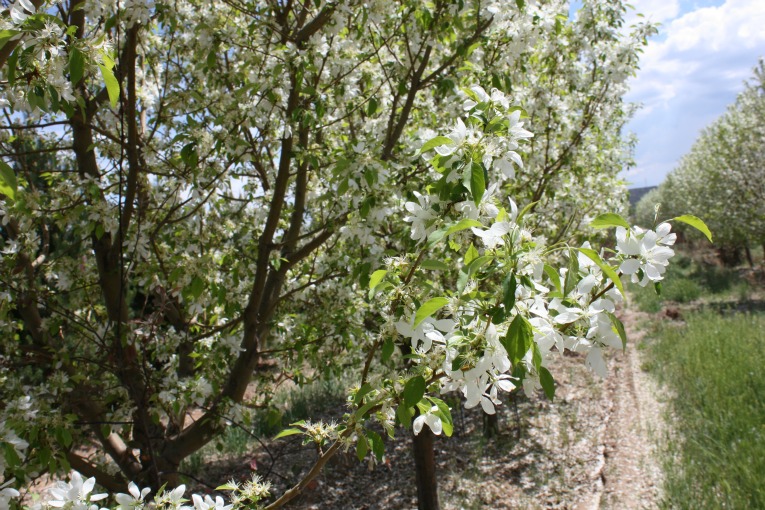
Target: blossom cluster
481,350
77,494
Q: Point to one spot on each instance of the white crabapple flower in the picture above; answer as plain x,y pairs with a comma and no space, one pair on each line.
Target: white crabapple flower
480,382
496,97
507,168
431,420
75,494
486,207
650,250
516,130
493,236
131,501
7,493
457,136
173,500
208,504
426,332
421,216
21,10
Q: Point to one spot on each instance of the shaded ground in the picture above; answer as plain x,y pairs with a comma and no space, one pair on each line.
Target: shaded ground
592,448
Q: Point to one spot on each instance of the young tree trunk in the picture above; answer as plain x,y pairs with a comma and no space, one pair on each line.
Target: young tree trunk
425,467
749,256
490,425
730,256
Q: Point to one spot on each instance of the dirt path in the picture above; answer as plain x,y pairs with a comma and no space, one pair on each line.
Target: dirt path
590,449
631,475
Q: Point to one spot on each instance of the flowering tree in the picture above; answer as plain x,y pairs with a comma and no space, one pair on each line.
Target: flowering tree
200,199
722,178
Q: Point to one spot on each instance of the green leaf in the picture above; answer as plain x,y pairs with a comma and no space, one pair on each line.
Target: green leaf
518,339
362,447
508,292
439,234
76,65
387,349
435,142
547,382
107,60
288,432
7,35
429,308
414,390
112,85
497,314
525,210
477,182
343,187
64,437
365,388
609,220
376,278
619,328
445,414
434,265
378,446
224,487
696,223
477,264
462,225
196,287
606,268
470,255
447,428
372,106
572,275
404,415
365,409
8,184
554,277
536,357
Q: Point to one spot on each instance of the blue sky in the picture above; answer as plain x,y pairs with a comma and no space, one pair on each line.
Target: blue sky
689,73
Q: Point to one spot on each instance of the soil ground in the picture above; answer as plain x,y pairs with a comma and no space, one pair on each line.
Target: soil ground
592,448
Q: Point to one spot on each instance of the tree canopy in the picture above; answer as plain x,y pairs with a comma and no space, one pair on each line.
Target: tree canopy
722,178
201,200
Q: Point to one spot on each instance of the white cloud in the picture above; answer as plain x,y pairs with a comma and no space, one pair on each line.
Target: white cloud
691,72
735,25
655,11
699,43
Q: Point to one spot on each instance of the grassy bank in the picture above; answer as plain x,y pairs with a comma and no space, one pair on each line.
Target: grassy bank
688,280
713,368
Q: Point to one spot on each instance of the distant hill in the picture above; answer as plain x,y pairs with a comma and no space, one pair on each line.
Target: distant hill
637,193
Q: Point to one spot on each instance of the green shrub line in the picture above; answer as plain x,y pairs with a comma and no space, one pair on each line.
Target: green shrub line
687,281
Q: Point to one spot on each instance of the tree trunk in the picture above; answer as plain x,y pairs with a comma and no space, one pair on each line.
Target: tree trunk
490,425
729,256
749,256
425,467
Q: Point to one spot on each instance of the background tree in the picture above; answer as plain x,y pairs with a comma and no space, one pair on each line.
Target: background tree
722,178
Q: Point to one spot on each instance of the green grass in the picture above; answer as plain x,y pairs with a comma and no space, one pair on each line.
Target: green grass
713,367
687,281
289,405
